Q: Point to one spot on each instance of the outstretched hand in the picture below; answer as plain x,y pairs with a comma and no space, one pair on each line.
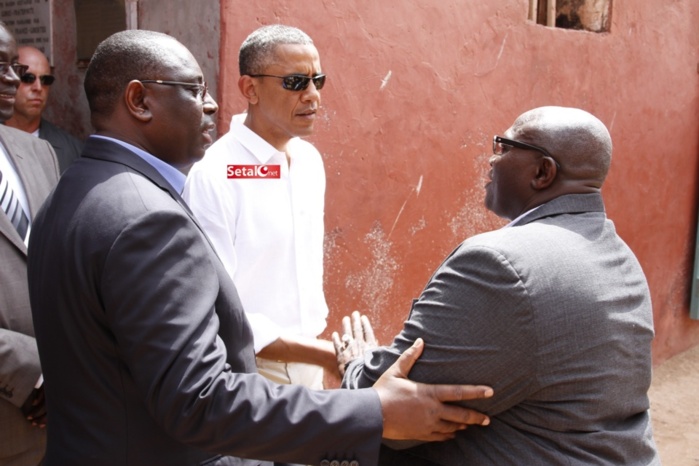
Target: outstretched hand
357,338
420,411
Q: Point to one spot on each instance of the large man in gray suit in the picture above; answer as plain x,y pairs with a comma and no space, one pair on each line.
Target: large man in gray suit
28,172
146,350
553,311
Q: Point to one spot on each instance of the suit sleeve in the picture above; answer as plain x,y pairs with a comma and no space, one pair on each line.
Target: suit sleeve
475,318
19,357
19,366
162,295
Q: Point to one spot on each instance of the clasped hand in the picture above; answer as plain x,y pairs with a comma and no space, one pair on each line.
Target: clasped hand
34,409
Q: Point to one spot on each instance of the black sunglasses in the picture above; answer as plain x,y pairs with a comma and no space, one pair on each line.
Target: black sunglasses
44,79
296,82
18,68
499,144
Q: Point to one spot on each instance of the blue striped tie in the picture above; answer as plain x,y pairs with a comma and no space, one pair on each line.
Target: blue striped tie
11,206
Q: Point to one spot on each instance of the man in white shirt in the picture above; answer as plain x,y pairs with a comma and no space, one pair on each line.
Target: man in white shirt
259,195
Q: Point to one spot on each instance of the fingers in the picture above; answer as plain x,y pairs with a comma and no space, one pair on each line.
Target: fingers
36,412
39,421
368,331
336,342
459,416
346,326
406,361
461,392
421,411
343,344
357,331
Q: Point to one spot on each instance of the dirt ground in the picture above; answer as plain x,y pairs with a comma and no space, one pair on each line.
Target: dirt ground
674,405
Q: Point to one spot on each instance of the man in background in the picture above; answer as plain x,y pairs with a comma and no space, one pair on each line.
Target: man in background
30,102
259,194
553,311
28,172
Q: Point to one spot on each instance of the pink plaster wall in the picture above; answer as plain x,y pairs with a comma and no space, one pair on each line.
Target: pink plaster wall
415,92
417,89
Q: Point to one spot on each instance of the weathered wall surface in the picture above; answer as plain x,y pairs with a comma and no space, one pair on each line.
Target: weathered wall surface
67,105
195,24
415,92
417,89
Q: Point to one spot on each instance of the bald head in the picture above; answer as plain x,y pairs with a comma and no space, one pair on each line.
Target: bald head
578,140
555,151
28,53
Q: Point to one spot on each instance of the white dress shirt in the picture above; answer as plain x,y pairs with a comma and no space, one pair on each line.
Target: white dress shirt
267,231
8,170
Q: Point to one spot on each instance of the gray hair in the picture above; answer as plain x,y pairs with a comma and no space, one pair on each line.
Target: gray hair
258,50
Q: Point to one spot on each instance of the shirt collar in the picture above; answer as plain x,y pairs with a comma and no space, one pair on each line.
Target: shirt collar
513,222
258,147
172,175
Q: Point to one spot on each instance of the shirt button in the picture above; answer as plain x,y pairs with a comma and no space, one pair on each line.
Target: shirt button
325,463
334,463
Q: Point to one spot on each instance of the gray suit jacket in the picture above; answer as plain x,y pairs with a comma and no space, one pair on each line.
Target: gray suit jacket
146,350
65,145
36,165
555,314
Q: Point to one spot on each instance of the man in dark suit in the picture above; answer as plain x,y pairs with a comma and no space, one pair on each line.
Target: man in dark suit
28,172
146,350
30,102
553,311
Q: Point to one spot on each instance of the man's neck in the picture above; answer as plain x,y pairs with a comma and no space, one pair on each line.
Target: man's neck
24,124
278,143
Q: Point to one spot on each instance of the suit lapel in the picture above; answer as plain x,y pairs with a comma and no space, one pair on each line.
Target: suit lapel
23,166
102,149
26,165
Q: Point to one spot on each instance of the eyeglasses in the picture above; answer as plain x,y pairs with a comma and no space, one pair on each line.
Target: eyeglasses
18,68
44,79
296,82
200,87
502,145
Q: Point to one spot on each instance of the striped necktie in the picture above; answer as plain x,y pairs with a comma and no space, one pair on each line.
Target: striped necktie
11,206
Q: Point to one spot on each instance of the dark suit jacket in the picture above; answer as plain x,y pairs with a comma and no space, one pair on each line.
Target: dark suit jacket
66,146
36,166
147,353
555,314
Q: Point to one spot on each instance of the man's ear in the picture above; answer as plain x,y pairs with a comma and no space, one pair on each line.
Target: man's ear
545,174
137,101
248,87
